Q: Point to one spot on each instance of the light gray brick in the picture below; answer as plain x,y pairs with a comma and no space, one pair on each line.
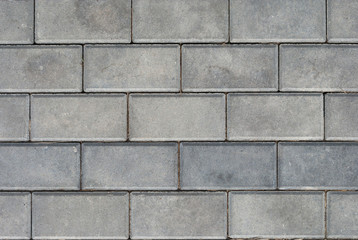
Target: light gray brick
212,166
276,215
342,21
78,117
83,21
73,215
275,117
15,215
140,68
178,215
342,215
277,21
160,117
14,117
318,68
180,21
318,166
130,166
341,116
41,69
228,68
16,21
39,166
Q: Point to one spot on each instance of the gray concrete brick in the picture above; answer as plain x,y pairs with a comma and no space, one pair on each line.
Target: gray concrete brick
178,215
342,21
276,215
41,69
277,21
15,215
130,166
14,117
180,21
212,166
96,215
318,166
83,21
160,117
342,215
39,166
318,68
78,117
16,21
341,116
275,117
140,68
228,68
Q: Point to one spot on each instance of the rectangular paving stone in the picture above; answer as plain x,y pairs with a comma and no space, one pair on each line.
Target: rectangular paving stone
68,117
41,69
318,68
276,215
213,166
277,21
229,68
342,215
71,215
15,215
341,116
14,117
180,21
16,21
173,215
275,116
140,68
83,21
342,21
39,166
161,117
317,166
130,166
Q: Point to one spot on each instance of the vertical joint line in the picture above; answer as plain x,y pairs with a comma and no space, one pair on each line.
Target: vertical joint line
34,23
277,165
129,215
30,96
127,117
131,21
81,154
324,117
181,69
278,67
325,214
179,165
31,215
227,214
226,117
326,5
229,17
83,68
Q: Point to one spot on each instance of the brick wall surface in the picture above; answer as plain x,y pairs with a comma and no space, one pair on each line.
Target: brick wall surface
178,119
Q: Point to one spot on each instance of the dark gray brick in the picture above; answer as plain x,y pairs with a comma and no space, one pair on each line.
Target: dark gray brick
178,215
276,215
230,68
39,166
100,215
211,166
139,68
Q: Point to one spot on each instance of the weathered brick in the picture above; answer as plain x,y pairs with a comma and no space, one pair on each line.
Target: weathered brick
140,68
342,215
130,166
180,21
16,21
15,215
39,166
14,117
277,21
78,117
341,116
211,166
342,21
230,68
318,166
41,69
60,215
275,117
318,68
83,21
276,215
178,215
161,117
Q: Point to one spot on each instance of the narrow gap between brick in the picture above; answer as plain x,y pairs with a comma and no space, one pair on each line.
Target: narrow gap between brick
29,117
227,214
127,117
326,5
278,67
226,117
34,24
31,215
81,156
229,17
179,165
277,165
131,21
181,69
129,215
324,117
325,214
